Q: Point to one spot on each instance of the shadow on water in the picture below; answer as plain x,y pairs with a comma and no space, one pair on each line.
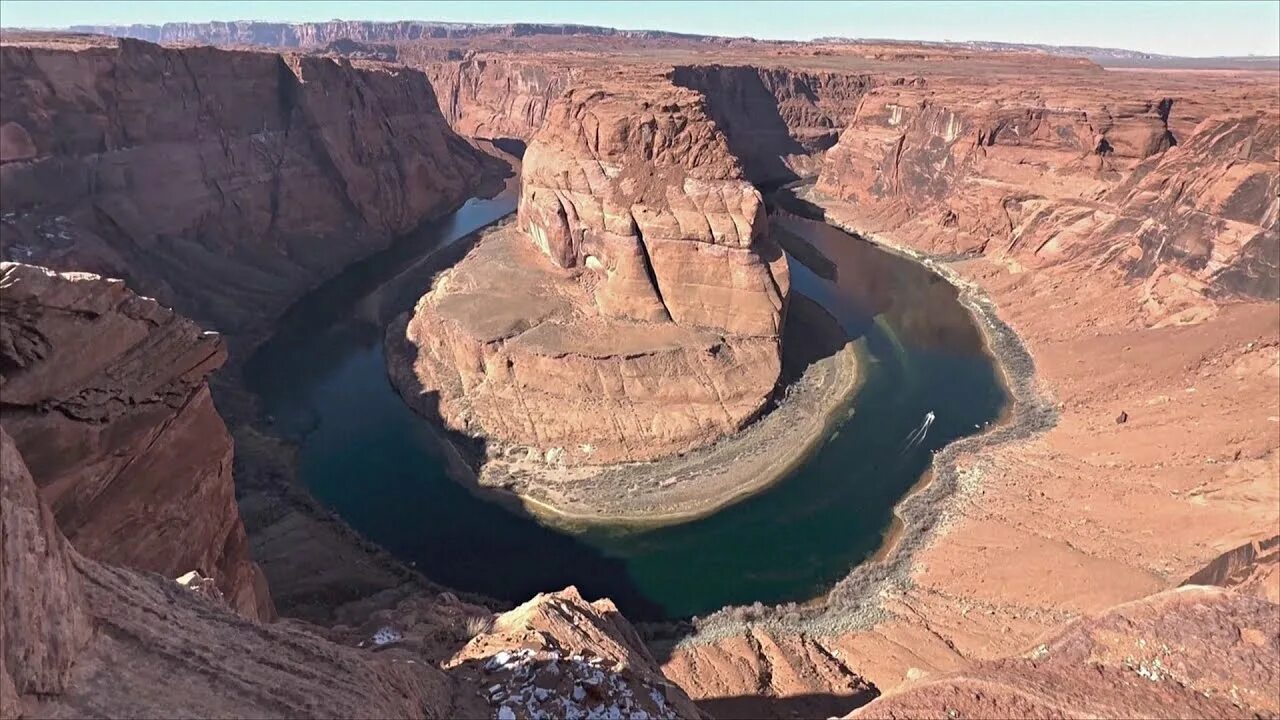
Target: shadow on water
362,452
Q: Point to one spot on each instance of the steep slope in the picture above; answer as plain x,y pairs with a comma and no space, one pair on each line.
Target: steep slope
1090,183
222,183
778,120
83,638
106,394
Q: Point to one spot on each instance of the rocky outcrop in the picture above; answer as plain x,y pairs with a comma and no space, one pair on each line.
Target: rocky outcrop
145,627
1095,183
82,638
638,185
222,183
778,121
105,394
1193,652
639,285
573,658
1251,569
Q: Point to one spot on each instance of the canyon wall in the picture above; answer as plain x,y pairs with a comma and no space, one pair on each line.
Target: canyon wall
779,121
106,395
319,34
82,638
636,307
496,97
1093,182
222,183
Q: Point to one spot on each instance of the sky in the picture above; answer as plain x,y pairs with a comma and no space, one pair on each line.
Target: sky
1187,27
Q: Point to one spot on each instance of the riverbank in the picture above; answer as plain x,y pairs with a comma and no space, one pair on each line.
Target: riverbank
1163,430
821,378
854,603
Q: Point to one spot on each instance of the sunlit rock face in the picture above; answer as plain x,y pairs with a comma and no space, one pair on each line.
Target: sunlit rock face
633,310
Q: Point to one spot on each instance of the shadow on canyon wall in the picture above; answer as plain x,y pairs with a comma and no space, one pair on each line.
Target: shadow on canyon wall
766,707
747,112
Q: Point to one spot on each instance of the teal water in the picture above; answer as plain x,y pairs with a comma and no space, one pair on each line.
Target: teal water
362,452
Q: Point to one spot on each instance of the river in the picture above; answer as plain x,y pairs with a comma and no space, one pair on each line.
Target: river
362,452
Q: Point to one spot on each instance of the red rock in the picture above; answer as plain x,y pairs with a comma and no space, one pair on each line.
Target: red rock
1084,182
1194,652
223,183
106,396
655,297
165,650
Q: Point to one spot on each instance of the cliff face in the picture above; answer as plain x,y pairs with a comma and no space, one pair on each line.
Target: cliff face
319,34
642,189
639,285
497,97
779,121
1089,182
105,394
83,638
222,183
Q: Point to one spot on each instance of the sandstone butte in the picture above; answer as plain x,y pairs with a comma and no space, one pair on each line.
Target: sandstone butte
1122,224
636,307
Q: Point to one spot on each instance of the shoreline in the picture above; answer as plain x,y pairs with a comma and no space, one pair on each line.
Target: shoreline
854,602
671,490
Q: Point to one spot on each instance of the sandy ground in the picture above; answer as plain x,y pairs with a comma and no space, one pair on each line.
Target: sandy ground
1088,514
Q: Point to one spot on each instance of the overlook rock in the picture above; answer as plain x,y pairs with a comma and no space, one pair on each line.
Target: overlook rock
105,394
635,308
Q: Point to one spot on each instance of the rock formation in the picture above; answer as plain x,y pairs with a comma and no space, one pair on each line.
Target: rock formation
572,659
496,97
1110,184
320,34
106,395
778,120
1193,652
83,638
635,309
222,183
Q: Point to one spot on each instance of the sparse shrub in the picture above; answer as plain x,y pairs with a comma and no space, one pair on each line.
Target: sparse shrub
478,625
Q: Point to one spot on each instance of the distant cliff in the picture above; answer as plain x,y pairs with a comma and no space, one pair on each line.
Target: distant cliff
311,35
223,183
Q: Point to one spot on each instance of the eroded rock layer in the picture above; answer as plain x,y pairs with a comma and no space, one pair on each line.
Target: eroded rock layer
1192,652
636,307
105,393
1092,181
223,183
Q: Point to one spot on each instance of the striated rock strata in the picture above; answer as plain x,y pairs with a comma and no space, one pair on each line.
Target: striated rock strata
636,308
1095,182
223,183
105,393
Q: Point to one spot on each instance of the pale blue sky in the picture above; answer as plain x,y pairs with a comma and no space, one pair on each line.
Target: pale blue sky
1177,28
